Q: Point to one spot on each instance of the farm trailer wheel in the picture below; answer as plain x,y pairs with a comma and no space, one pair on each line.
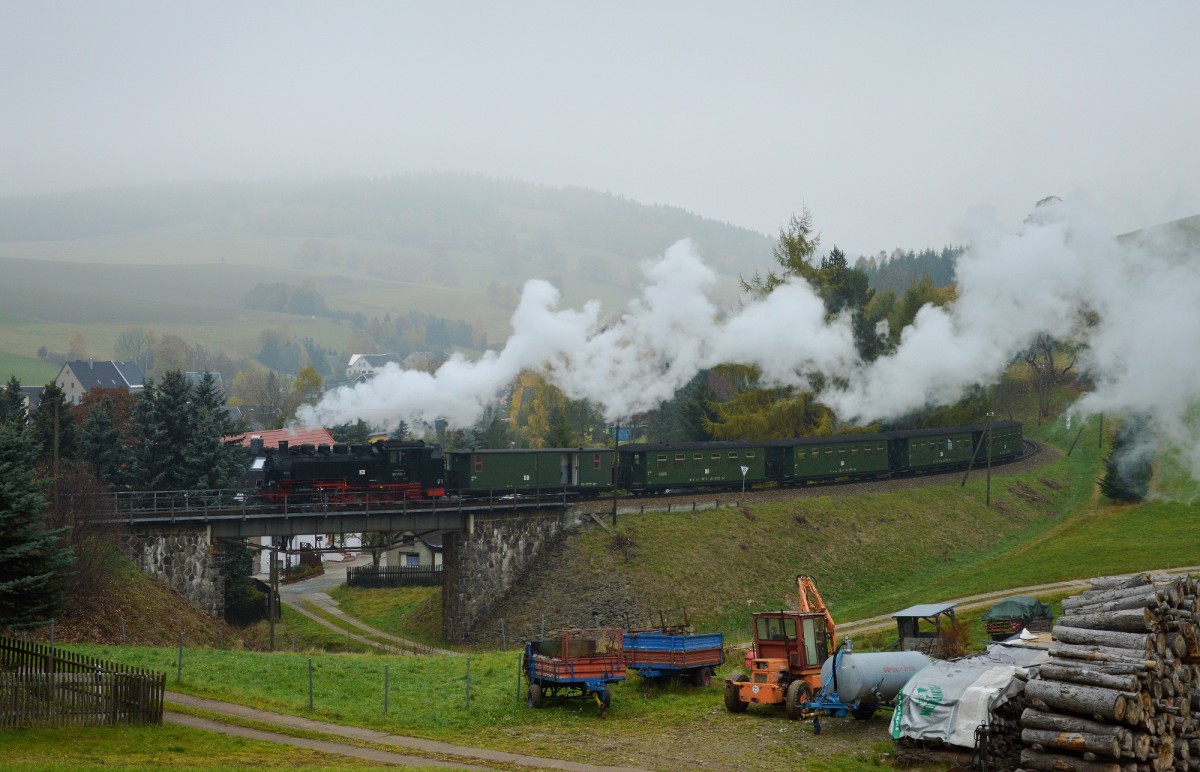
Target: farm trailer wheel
603,699
701,676
536,699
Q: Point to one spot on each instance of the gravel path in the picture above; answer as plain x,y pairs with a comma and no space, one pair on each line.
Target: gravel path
471,757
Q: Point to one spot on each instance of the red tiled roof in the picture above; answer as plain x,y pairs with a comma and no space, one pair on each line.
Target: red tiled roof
271,437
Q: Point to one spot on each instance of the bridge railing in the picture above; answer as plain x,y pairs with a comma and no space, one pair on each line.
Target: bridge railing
132,506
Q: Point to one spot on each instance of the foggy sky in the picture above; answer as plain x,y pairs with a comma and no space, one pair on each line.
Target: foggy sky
891,122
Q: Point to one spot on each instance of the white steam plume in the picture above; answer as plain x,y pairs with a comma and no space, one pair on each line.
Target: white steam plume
1042,279
628,365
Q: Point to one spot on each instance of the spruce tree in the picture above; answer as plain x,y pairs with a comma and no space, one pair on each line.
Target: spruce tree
100,443
12,403
53,417
34,568
1128,466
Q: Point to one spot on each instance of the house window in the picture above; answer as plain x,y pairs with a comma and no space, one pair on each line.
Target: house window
411,560
478,464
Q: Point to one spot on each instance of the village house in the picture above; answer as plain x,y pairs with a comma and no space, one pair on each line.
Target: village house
81,376
369,364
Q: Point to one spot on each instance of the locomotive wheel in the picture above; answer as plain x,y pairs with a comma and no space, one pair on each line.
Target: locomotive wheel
864,710
535,699
797,695
701,677
733,703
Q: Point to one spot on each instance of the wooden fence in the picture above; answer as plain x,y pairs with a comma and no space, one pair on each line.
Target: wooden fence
42,686
394,576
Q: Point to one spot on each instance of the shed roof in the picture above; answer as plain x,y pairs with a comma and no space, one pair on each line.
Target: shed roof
925,610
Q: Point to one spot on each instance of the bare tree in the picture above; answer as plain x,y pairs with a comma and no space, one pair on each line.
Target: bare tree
1049,361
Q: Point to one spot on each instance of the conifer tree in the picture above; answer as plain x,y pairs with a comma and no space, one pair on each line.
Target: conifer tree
53,417
100,443
34,568
1128,466
12,403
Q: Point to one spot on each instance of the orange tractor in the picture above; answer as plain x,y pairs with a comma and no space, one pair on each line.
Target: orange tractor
789,649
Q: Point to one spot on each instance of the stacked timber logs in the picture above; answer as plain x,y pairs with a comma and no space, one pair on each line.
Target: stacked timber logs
1123,677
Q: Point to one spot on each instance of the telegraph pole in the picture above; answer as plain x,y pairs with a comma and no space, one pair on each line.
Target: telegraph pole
990,416
616,469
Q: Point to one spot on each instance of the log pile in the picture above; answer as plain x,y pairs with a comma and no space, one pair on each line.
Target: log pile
1122,681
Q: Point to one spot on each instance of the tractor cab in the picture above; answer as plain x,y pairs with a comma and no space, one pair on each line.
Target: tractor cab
789,649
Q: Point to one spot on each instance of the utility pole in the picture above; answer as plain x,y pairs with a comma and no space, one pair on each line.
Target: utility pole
616,469
990,416
274,599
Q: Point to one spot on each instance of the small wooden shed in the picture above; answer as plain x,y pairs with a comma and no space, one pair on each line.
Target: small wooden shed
914,636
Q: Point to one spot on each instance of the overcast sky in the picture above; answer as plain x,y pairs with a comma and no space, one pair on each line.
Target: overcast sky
891,122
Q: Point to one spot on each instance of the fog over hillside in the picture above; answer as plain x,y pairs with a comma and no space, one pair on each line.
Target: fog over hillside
1060,273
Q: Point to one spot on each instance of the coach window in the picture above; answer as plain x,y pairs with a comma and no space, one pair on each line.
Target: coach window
749,454
662,459
949,444
716,456
478,464
697,456
679,457
596,463
733,456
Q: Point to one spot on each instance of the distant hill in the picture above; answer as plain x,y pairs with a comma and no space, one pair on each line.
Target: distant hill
329,222
182,258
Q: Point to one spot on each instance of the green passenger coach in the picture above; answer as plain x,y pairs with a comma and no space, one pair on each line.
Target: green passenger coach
657,467
808,459
530,470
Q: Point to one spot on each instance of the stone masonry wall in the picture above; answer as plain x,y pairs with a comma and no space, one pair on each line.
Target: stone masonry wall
185,560
482,564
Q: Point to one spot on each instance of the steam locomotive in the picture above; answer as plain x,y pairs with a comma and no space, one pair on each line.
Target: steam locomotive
392,470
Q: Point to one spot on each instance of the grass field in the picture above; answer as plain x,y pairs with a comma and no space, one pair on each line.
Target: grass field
152,747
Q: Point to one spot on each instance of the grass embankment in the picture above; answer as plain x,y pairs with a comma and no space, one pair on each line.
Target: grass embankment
880,552
414,613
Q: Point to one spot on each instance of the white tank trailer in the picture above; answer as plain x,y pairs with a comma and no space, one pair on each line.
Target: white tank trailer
872,677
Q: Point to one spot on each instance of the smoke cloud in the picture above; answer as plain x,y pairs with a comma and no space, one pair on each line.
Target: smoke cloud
1134,305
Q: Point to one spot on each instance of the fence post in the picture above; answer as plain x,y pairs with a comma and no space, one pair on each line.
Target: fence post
122,631
503,638
310,700
385,689
179,668
468,682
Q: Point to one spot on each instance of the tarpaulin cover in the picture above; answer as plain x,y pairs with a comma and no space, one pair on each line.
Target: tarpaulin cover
1018,607
948,700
